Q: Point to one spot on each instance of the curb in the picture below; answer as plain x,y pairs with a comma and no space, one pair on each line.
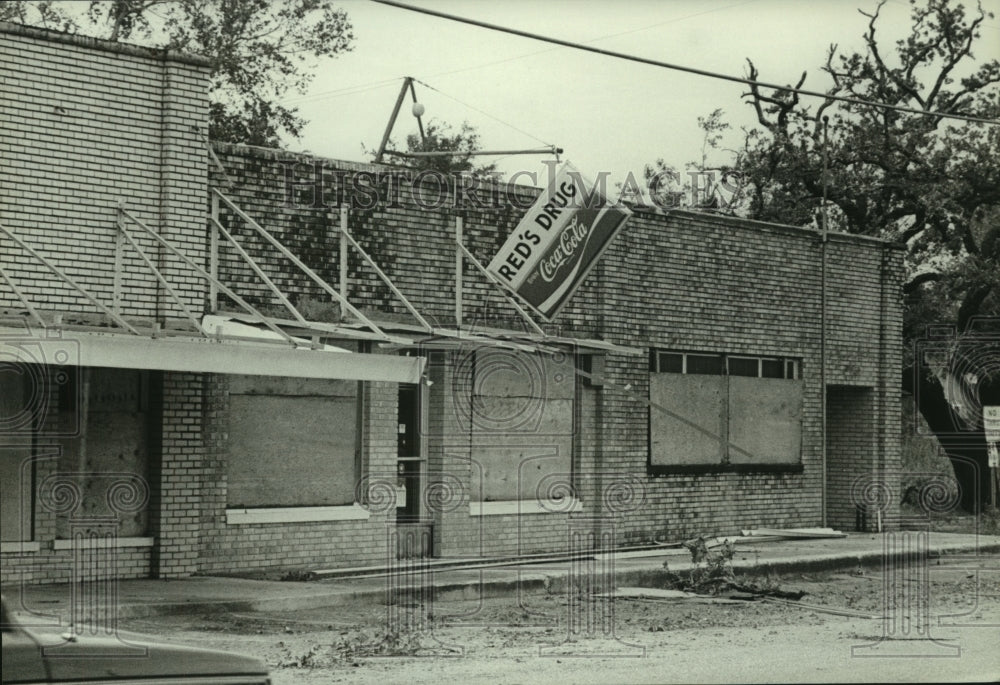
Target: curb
528,583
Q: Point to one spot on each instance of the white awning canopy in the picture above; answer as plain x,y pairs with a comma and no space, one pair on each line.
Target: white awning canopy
202,355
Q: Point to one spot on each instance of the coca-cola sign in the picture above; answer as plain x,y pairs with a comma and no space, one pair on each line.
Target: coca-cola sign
558,241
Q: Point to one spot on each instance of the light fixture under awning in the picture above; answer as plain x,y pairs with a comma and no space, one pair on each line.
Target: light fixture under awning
203,355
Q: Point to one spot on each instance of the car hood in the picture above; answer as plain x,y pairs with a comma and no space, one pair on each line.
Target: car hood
116,657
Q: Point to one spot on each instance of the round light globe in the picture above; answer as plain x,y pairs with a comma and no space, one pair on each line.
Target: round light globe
418,109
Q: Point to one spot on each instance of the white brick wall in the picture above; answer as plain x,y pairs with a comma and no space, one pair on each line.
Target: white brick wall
85,124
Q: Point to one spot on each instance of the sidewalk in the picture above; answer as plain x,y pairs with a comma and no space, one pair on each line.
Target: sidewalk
140,598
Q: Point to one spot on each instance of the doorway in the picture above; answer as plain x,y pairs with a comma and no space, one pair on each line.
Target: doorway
414,530
850,454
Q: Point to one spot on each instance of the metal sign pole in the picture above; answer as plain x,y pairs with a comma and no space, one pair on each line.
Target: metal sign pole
392,119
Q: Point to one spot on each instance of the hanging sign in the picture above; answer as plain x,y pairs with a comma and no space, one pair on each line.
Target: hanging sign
558,242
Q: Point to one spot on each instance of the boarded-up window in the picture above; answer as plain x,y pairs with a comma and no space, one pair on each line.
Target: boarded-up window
292,442
714,409
686,419
15,494
765,420
521,423
112,448
15,483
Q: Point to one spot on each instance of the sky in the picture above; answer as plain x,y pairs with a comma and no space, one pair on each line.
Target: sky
609,115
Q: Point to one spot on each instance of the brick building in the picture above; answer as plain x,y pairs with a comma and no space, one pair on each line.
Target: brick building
344,419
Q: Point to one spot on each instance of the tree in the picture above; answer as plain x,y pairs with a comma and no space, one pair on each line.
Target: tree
260,49
928,182
701,186
440,137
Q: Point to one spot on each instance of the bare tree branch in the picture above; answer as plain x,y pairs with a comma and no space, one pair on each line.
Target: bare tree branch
919,280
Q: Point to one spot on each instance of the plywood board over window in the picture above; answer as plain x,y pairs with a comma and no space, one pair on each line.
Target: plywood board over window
765,420
686,419
292,442
16,416
717,411
521,423
112,447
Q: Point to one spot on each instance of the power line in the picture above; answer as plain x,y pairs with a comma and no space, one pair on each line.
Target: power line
484,113
678,67
593,40
337,92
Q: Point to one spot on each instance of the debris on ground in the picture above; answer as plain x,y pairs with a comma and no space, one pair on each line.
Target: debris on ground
713,575
660,595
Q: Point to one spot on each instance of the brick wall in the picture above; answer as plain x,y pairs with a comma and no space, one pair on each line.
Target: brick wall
699,282
227,547
183,474
85,124
850,412
685,280
414,245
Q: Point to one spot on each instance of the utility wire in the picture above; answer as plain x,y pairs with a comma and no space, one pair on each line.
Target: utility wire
678,67
592,40
487,114
337,92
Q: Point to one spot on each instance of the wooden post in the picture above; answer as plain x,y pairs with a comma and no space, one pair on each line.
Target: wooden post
993,481
459,244
213,256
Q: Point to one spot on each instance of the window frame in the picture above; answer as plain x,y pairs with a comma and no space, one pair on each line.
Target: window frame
792,370
791,366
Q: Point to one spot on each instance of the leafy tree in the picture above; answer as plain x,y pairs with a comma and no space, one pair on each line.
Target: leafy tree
701,186
930,183
440,137
260,49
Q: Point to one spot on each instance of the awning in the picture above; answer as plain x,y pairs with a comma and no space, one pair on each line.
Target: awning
69,347
408,336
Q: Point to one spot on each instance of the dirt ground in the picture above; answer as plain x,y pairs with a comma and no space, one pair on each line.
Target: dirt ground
547,638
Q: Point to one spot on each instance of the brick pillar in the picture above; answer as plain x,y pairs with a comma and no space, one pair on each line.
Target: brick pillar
184,179
375,487
890,359
182,476
215,413
450,469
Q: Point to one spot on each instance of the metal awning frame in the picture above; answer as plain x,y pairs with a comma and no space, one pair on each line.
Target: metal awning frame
403,336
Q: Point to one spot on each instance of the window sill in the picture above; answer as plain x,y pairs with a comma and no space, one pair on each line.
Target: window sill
96,543
349,512
19,547
664,469
521,507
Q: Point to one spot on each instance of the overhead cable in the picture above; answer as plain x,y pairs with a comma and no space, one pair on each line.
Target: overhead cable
678,67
